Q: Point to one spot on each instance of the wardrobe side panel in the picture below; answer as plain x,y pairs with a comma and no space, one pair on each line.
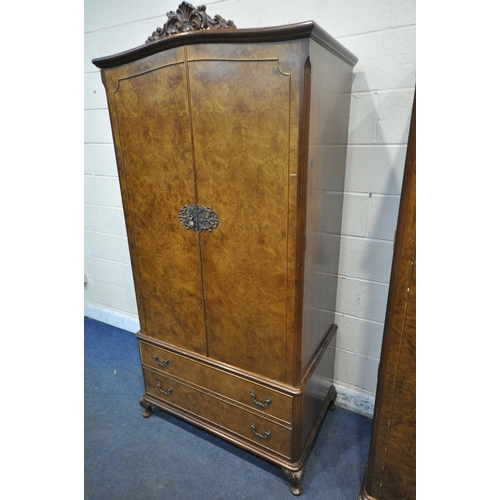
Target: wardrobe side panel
329,123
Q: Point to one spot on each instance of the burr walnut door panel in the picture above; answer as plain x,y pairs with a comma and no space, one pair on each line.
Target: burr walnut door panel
157,180
241,113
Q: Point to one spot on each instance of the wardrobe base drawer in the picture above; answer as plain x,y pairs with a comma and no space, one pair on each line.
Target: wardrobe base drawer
251,394
223,413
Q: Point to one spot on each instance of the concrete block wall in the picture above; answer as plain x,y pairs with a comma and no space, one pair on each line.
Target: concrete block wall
382,34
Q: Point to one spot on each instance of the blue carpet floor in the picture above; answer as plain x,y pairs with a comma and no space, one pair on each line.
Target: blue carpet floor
128,457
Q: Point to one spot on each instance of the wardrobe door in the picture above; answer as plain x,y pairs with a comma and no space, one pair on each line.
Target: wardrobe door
240,112
152,116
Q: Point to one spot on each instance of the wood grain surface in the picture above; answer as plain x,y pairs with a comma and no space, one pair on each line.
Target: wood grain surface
221,412
241,144
154,134
391,470
219,381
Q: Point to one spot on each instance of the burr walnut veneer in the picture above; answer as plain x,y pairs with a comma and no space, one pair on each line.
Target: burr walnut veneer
230,145
391,468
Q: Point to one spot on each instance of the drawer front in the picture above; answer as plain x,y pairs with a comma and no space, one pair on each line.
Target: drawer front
248,425
255,396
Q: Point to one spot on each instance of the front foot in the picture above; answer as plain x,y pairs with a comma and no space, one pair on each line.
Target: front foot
147,408
296,478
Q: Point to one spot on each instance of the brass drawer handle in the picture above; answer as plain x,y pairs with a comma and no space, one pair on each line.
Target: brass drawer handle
167,392
165,362
266,434
266,402
198,218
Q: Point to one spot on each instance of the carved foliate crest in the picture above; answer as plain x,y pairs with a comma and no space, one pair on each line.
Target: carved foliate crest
189,18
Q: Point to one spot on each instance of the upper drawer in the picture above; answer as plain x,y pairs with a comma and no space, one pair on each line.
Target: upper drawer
251,394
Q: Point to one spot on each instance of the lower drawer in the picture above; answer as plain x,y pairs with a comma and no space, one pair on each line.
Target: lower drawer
224,414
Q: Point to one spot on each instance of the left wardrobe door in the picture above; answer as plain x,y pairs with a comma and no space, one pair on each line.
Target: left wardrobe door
158,178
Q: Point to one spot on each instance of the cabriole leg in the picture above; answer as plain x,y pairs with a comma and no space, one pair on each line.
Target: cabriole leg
296,478
146,407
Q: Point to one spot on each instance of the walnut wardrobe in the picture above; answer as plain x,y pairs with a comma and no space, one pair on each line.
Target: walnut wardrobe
230,145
